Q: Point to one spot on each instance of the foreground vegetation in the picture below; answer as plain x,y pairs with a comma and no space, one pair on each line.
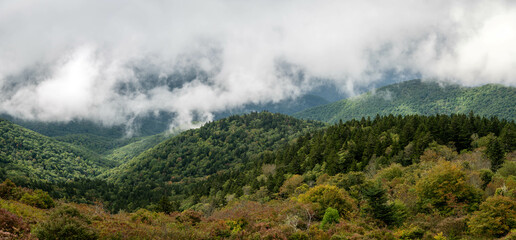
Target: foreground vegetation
438,198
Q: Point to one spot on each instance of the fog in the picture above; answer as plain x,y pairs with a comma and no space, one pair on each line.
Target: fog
113,61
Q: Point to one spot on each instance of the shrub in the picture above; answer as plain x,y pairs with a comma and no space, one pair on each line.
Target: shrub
236,226
66,223
13,226
39,199
391,172
496,217
452,227
6,189
445,188
143,216
330,216
291,184
413,232
299,235
508,169
348,180
190,217
486,175
325,196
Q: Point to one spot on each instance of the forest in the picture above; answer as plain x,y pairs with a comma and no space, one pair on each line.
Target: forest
420,97
270,176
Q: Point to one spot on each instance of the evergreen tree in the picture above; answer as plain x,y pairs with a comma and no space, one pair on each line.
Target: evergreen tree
508,138
495,154
378,206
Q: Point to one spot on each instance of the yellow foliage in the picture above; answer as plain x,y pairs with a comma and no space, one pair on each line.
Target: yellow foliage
324,196
444,187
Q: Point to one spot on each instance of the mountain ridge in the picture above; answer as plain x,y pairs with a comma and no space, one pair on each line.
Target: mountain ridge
419,97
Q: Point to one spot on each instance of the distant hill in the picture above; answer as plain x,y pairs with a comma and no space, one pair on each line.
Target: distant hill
420,97
287,106
108,136
229,143
29,156
135,147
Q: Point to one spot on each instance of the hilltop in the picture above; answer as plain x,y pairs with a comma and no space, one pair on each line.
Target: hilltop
420,97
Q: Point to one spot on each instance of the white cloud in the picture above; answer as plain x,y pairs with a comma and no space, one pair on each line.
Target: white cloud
89,49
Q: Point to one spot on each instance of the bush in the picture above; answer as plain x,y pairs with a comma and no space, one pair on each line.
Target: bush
39,199
298,236
66,223
507,169
291,184
496,217
330,216
391,172
413,232
445,187
12,226
348,180
325,196
190,217
8,189
486,175
452,227
144,216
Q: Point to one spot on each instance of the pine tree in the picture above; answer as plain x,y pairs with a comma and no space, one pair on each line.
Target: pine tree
508,138
376,198
494,152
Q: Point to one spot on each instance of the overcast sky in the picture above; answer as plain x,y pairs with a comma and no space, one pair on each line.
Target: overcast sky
62,60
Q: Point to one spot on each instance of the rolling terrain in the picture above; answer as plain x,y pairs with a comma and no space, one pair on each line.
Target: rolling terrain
393,177
269,174
28,156
420,97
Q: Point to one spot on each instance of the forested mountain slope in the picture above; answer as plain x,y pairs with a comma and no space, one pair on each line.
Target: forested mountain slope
110,137
420,97
29,156
392,177
217,146
136,146
366,145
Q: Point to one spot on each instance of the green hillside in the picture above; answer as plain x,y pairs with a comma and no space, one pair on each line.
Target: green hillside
274,176
224,144
135,147
229,143
419,97
29,156
286,106
54,129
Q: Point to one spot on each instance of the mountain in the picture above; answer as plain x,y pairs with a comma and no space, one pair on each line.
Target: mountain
29,156
286,106
420,97
364,146
229,143
216,146
153,124
393,177
135,147
55,129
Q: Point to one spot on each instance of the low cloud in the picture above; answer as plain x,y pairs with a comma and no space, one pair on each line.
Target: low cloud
113,61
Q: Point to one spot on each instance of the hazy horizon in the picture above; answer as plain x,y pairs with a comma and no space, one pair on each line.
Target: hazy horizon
113,61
